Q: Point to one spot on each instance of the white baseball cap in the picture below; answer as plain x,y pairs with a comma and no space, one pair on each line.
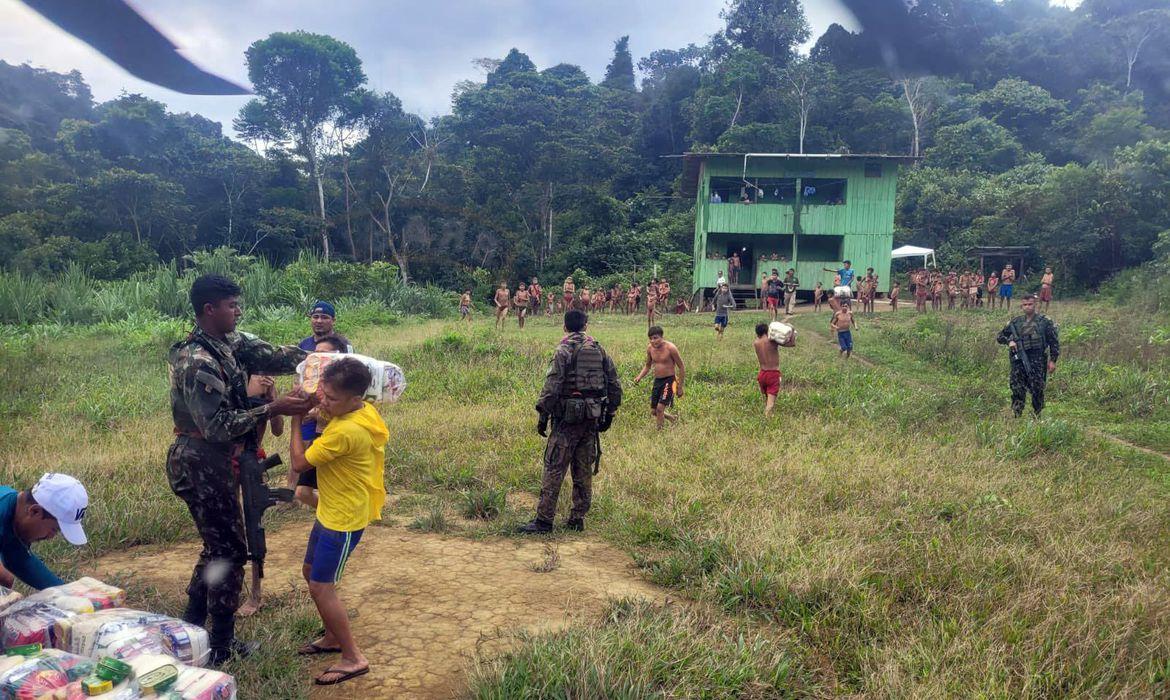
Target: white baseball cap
64,498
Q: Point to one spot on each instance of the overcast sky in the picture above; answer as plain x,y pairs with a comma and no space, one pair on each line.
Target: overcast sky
417,50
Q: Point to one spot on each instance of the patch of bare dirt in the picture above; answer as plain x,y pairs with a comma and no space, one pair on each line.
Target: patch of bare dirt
424,601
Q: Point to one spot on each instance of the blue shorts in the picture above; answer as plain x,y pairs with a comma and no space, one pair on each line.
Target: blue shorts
845,340
1005,291
328,551
721,320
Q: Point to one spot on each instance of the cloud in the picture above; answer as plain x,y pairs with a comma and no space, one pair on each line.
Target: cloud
416,50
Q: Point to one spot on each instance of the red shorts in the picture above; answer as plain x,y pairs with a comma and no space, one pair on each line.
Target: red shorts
769,381
773,302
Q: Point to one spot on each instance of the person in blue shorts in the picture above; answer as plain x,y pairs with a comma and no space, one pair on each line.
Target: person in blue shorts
349,457
1006,279
843,324
724,303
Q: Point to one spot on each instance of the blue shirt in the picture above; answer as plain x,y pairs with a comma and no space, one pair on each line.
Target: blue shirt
846,276
23,564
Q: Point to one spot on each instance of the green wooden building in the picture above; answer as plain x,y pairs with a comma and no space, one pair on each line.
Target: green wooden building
786,210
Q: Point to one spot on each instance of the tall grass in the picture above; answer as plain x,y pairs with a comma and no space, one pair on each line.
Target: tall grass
74,298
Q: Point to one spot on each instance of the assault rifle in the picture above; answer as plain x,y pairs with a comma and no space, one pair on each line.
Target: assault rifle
258,497
1018,355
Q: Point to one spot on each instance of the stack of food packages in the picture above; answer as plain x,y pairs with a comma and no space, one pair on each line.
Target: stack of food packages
76,641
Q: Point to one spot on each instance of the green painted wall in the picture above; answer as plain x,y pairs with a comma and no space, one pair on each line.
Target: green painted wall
865,222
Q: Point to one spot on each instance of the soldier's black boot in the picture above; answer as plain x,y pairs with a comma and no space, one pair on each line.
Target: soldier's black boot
575,524
536,526
221,636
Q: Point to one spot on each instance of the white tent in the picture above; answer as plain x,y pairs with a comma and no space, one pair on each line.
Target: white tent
913,251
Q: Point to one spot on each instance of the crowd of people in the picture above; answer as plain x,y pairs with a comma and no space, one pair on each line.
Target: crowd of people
968,289
531,299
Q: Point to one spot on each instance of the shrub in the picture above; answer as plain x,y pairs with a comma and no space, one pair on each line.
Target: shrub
484,503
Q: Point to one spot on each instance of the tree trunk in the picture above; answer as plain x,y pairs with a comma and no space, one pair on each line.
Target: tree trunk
348,212
315,170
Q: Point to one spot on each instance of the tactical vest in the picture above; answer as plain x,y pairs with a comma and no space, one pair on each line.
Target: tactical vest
1034,341
585,390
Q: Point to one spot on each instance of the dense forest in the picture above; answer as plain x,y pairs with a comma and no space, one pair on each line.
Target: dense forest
1053,130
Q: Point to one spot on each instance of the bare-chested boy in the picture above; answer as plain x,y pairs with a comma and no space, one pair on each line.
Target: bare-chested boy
1007,280
664,293
964,289
651,302
952,289
550,303
465,305
632,298
818,296
993,290
843,324
1046,288
663,358
502,302
769,378
894,292
521,302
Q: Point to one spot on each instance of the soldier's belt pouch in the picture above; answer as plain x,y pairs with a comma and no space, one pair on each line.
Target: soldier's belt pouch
576,411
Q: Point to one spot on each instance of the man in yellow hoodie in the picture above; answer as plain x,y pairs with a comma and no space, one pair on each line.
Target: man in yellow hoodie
349,459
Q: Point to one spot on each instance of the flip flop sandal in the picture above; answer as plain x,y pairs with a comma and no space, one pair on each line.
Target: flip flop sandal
345,676
312,649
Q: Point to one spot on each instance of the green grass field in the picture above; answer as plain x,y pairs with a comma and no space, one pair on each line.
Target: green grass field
892,532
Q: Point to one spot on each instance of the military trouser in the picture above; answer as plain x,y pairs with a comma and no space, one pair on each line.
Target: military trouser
1021,385
789,301
200,473
569,446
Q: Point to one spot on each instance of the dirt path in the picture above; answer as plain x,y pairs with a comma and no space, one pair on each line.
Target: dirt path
424,601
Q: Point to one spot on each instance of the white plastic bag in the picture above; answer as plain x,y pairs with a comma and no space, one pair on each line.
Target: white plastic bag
843,292
781,333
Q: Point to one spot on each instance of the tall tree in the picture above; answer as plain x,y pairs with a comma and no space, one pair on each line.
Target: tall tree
619,74
303,83
775,28
808,82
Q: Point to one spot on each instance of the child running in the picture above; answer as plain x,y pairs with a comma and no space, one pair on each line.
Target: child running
724,304
769,378
349,458
663,358
842,324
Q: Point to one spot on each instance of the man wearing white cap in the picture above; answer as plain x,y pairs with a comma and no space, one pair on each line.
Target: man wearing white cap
55,504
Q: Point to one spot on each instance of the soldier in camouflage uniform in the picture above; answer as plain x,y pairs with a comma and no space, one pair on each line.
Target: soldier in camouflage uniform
1035,338
213,419
581,394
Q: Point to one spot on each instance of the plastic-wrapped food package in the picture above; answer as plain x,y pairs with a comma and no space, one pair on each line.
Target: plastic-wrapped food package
98,634
387,380
8,597
71,596
204,684
126,690
31,622
46,675
130,644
